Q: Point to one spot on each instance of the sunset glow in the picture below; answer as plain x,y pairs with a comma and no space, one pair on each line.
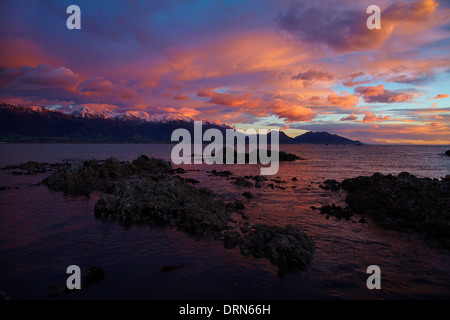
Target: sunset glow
296,66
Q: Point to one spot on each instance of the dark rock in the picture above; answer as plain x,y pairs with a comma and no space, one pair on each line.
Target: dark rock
236,206
191,181
178,171
164,201
447,153
336,211
256,178
87,176
284,156
294,179
222,173
32,166
403,202
242,182
244,229
288,247
231,239
168,268
93,275
248,195
330,185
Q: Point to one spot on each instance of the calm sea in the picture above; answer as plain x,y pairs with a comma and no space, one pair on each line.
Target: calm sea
42,232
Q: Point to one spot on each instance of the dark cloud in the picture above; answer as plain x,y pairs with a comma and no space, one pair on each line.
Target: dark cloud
311,76
344,27
351,117
373,94
45,75
96,84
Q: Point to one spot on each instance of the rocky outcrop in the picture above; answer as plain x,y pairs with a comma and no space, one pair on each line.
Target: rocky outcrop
147,191
447,153
93,274
242,182
330,185
336,211
164,200
403,202
286,247
87,176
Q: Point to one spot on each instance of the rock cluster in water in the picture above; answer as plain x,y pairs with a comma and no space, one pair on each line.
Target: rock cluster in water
403,202
147,190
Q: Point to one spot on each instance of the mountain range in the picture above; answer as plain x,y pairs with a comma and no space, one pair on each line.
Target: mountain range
86,125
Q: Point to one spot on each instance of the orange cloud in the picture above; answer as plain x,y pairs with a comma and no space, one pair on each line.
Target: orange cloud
181,97
441,96
190,112
373,94
371,117
22,52
276,104
346,101
400,17
351,117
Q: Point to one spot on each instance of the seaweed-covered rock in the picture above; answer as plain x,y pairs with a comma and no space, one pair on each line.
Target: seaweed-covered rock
336,211
284,156
164,200
93,274
330,185
248,195
231,239
403,202
87,176
242,182
288,247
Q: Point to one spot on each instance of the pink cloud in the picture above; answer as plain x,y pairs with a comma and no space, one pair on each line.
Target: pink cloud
181,97
351,117
346,100
372,94
441,96
311,76
96,84
371,117
45,75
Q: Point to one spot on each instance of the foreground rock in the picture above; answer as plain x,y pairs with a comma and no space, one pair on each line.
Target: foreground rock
165,201
403,202
93,274
288,247
447,153
336,211
330,185
147,191
87,176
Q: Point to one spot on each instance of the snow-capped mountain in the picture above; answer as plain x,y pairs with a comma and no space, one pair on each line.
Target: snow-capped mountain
167,117
84,124
86,112
89,113
132,116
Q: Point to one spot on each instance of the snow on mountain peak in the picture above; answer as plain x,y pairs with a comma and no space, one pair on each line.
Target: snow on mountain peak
84,111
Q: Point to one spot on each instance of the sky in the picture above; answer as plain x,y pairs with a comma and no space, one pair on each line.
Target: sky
296,66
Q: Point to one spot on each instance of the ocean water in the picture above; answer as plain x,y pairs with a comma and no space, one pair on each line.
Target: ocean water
43,232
